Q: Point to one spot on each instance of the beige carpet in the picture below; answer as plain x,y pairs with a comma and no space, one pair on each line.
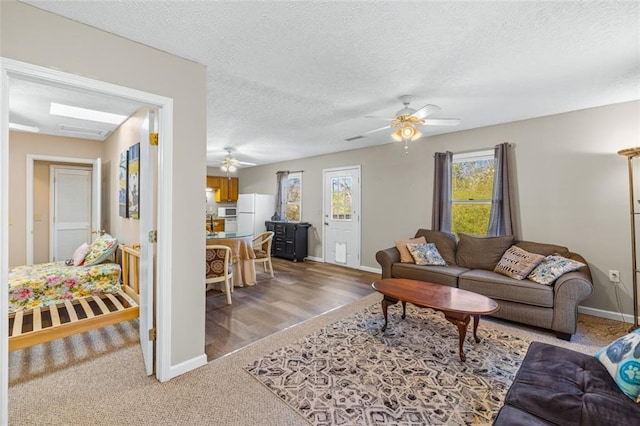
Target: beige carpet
81,380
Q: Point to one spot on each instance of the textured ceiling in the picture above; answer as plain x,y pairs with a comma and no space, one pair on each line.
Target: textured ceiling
294,79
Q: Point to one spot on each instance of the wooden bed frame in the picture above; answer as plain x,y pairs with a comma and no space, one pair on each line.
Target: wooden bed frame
40,325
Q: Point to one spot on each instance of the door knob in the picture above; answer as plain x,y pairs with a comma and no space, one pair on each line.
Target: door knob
326,223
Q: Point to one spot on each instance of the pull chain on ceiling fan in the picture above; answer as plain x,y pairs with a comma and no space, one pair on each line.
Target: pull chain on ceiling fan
407,120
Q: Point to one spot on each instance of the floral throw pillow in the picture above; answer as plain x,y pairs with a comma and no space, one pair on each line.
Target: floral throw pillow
101,249
622,360
517,263
401,245
425,254
552,267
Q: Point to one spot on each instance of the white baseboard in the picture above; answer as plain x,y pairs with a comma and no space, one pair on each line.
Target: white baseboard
617,316
315,259
370,269
186,366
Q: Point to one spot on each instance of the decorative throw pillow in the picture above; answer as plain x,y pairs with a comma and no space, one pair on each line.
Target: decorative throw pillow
103,247
552,267
80,254
475,252
517,263
401,245
425,254
622,360
445,243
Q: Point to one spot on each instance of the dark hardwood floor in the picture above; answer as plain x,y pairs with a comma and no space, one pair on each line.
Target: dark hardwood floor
298,292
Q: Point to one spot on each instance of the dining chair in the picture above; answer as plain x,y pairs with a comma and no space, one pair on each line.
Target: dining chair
262,249
219,268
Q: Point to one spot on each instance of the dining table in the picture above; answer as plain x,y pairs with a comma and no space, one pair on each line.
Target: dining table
242,255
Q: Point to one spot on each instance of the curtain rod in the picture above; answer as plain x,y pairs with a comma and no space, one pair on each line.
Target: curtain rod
290,171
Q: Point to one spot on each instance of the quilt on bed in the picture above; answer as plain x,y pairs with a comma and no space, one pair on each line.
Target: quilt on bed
47,284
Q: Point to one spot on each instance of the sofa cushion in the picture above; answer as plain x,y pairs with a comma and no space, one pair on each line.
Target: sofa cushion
496,286
621,358
552,267
543,249
476,252
445,275
517,263
566,387
426,254
445,243
405,255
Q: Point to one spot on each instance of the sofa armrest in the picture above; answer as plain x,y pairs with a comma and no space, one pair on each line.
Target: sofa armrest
386,258
569,290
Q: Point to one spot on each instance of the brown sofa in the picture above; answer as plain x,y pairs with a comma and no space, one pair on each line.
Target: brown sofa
470,266
558,386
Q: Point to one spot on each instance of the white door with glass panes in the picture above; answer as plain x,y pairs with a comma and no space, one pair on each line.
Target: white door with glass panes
341,216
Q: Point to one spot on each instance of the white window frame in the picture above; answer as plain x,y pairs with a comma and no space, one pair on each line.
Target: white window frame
299,176
464,157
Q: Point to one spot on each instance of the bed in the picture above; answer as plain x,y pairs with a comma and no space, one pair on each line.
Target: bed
52,300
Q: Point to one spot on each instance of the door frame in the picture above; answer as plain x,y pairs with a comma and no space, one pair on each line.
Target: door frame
10,68
31,159
359,207
52,203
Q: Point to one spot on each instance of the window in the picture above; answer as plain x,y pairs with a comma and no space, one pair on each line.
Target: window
341,202
471,191
294,197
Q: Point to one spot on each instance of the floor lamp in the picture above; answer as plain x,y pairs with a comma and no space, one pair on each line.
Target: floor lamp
631,154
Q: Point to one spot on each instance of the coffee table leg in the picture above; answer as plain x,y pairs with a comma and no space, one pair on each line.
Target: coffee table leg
462,324
404,309
476,321
386,301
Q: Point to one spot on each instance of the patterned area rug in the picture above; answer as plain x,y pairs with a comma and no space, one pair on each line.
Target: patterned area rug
350,373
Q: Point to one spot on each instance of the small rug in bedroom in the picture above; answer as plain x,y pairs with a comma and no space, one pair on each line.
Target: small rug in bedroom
350,373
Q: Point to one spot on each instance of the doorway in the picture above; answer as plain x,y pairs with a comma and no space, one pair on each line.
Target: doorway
11,69
341,217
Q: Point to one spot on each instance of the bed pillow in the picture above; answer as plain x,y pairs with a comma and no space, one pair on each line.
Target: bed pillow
517,263
80,254
101,249
552,267
426,254
622,360
401,245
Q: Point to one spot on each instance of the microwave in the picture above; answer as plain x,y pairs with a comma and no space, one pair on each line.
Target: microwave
227,212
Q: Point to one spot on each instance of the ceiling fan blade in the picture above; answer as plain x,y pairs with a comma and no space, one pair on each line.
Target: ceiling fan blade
379,118
245,163
442,121
426,111
377,130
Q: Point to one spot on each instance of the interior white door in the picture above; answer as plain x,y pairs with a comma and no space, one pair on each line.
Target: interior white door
147,205
342,216
96,198
70,212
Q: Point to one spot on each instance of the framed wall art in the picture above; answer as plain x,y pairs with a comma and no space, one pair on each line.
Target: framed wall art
133,181
123,174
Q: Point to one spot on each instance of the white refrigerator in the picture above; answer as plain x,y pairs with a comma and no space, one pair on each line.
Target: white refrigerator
253,211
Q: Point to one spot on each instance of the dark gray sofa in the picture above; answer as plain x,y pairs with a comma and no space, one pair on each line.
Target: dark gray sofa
553,307
558,386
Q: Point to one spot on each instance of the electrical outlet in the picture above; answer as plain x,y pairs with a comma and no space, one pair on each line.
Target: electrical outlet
614,276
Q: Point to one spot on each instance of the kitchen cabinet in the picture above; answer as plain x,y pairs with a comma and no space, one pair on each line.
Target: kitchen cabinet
214,225
226,188
289,239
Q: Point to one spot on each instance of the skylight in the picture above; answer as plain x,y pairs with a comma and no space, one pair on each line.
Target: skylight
86,114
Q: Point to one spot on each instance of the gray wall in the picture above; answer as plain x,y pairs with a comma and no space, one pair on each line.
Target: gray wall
572,187
31,35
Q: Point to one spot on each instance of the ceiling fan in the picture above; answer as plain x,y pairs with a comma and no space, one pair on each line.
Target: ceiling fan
407,120
230,164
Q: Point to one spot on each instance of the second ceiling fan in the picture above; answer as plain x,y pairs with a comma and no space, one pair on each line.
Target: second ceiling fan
407,120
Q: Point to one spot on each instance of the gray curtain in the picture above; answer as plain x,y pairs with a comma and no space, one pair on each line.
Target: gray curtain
281,195
502,216
441,216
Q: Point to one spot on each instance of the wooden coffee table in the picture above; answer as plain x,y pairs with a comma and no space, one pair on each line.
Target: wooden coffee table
457,305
